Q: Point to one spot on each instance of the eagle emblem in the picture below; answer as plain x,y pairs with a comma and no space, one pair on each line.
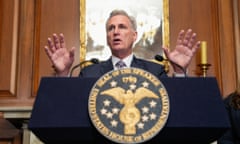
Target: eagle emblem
129,105
129,115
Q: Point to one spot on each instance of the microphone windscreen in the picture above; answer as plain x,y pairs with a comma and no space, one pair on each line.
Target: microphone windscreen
94,60
159,58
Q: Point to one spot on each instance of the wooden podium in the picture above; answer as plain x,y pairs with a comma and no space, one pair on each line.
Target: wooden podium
197,113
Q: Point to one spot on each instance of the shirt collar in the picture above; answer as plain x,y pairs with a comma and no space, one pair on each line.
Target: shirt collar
127,60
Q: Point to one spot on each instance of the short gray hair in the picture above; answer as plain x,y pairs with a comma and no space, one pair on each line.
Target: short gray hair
124,13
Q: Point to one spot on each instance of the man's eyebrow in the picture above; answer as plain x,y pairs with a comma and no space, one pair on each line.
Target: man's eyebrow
110,26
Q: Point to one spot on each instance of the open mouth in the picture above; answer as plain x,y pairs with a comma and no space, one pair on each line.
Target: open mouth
116,41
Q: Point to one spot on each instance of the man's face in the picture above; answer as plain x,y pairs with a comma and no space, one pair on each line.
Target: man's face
120,36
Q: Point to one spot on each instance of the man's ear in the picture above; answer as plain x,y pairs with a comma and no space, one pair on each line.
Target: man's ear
135,35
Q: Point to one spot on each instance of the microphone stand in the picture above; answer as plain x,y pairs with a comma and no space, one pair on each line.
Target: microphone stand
93,61
161,58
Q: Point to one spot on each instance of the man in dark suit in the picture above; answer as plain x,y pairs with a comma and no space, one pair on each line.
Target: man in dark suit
98,70
121,35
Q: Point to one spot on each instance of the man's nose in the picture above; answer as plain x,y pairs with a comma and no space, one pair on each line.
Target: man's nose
116,30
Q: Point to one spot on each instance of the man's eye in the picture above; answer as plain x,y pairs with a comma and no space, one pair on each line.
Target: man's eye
110,28
122,26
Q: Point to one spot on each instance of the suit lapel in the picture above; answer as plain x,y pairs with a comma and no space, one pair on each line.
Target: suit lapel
137,63
106,66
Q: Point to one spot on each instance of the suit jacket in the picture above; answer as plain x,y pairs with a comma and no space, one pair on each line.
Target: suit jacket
97,70
232,136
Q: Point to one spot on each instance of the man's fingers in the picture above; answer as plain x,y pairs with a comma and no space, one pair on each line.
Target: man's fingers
62,41
196,46
72,52
51,45
191,41
180,37
56,41
48,52
187,37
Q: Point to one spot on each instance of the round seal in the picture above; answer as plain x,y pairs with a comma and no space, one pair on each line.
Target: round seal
129,105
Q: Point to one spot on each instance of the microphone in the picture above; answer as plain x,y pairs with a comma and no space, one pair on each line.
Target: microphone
93,61
160,58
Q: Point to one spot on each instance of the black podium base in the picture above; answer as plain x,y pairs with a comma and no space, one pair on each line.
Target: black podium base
60,113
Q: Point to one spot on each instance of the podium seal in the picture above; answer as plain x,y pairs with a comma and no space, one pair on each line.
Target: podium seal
129,105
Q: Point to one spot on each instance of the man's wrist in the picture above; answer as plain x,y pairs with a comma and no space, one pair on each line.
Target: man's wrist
180,74
175,74
62,74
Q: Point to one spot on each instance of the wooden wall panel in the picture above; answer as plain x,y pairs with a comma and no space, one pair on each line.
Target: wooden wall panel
227,47
196,15
212,21
20,32
237,35
25,27
7,61
55,16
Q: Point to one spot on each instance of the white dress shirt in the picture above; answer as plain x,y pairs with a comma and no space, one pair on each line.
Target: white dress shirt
127,60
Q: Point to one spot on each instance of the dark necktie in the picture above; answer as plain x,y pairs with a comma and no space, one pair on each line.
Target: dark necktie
120,64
